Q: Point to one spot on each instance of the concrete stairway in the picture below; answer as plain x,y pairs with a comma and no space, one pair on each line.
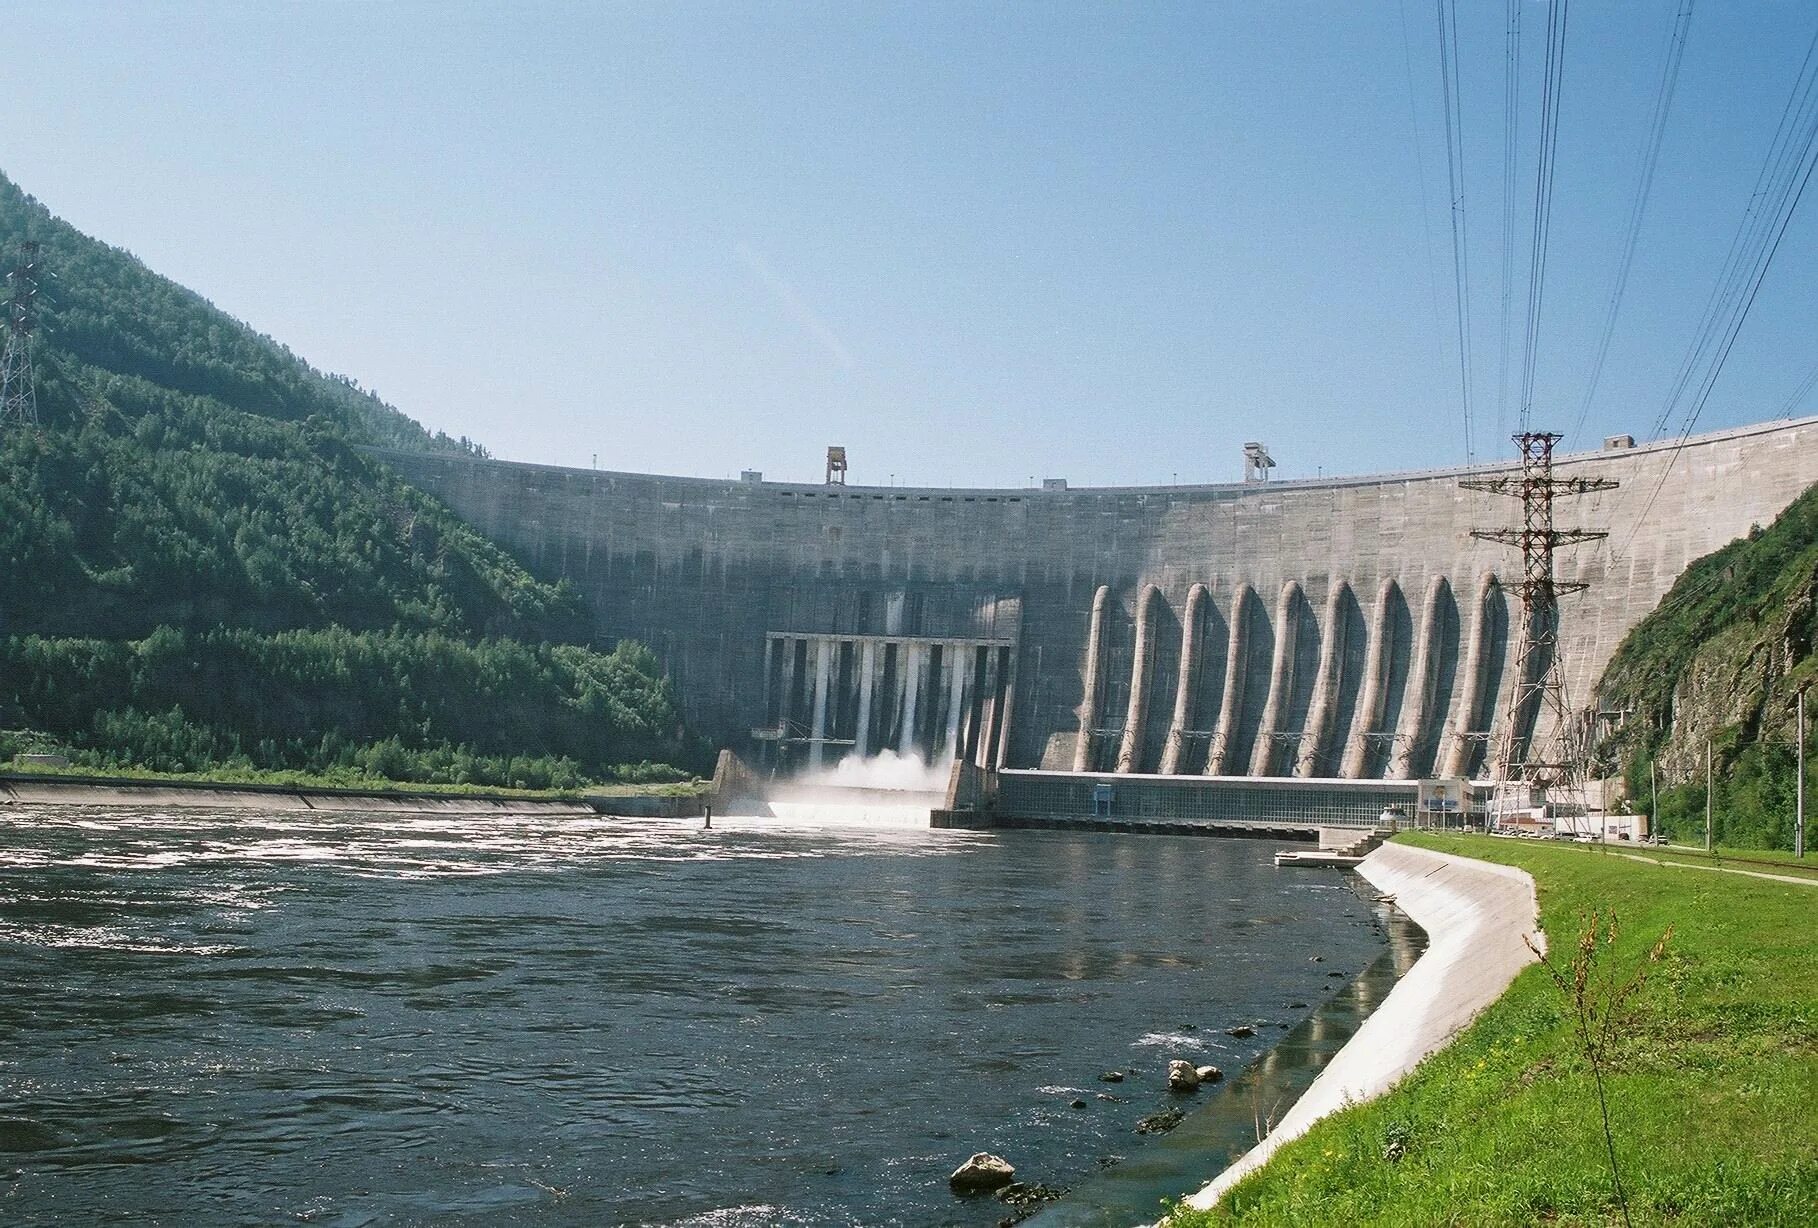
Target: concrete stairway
1338,846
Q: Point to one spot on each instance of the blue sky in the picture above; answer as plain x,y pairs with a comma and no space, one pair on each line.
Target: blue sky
973,243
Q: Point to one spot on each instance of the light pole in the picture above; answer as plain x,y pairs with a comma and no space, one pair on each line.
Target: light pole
1799,788
1707,795
1653,800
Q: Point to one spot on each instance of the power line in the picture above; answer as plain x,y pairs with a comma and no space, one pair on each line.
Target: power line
1777,191
1650,158
1551,89
1461,269
1800,393
1511,146
1785,174
1762,220
1420,167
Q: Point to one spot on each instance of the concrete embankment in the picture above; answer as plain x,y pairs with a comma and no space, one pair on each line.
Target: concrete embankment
1476,916
115,791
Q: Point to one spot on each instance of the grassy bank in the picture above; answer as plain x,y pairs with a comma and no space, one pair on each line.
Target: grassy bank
1712,1080
1745,859
343,782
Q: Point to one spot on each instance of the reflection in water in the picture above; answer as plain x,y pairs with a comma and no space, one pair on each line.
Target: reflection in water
1227,1124
233,1018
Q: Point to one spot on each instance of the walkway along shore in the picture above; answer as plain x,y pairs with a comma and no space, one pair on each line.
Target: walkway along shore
1476,916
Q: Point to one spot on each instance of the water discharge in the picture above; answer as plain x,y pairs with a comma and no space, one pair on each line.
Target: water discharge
247,1018
882,790
885,770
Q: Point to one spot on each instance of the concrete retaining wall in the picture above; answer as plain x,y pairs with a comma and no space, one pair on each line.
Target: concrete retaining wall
1476,916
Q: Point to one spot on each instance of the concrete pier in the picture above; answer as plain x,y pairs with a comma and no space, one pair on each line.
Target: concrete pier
1369,707
1469,733
1326,685
1174,753
1423,681
1143,661
1089,698
1221,758
1266,753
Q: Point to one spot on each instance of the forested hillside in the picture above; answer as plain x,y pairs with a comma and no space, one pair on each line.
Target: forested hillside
1722,660
198,568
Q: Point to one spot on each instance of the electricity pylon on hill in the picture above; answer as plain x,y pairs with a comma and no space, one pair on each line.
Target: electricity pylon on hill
18,382
1538,701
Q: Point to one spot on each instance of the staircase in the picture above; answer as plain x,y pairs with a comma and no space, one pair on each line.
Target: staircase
1343,847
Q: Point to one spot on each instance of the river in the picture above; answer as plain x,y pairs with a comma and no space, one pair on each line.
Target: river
391,1019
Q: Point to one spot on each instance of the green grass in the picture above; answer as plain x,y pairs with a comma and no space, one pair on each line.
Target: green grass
345,781
678,788
1693,853
1714,1087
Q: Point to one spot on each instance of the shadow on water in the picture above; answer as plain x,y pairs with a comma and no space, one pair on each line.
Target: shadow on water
1231,1114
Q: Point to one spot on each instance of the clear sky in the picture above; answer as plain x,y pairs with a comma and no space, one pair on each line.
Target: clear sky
974,243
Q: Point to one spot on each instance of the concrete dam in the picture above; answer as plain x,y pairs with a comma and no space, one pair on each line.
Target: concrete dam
1339,629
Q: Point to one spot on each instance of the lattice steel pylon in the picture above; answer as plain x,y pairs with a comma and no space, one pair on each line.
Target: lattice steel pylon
18,383
1538,701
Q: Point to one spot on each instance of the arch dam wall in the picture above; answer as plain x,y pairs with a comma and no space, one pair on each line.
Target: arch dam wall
1343,628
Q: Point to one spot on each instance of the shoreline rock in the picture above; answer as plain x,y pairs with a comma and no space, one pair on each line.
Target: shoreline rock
1027,1194
1162,1122
1182,1076
982,1174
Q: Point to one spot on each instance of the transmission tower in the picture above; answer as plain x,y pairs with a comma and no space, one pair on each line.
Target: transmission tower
1539,691
18,387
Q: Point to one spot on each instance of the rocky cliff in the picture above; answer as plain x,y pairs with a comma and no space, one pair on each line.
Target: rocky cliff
1721,660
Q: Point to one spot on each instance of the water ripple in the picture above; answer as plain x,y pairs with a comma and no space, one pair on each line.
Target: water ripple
229,1018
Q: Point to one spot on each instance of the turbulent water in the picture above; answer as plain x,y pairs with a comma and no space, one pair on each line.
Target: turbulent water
241,1018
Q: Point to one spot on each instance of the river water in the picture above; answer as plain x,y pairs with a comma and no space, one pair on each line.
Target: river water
388,1019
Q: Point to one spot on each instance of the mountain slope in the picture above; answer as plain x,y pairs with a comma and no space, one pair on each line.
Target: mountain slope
1721,661
106,312
194,497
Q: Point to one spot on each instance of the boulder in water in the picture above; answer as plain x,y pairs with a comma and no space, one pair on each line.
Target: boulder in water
1182,1076
1209,1074
981,1174
1027,1195
1241,1031
1160,1123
